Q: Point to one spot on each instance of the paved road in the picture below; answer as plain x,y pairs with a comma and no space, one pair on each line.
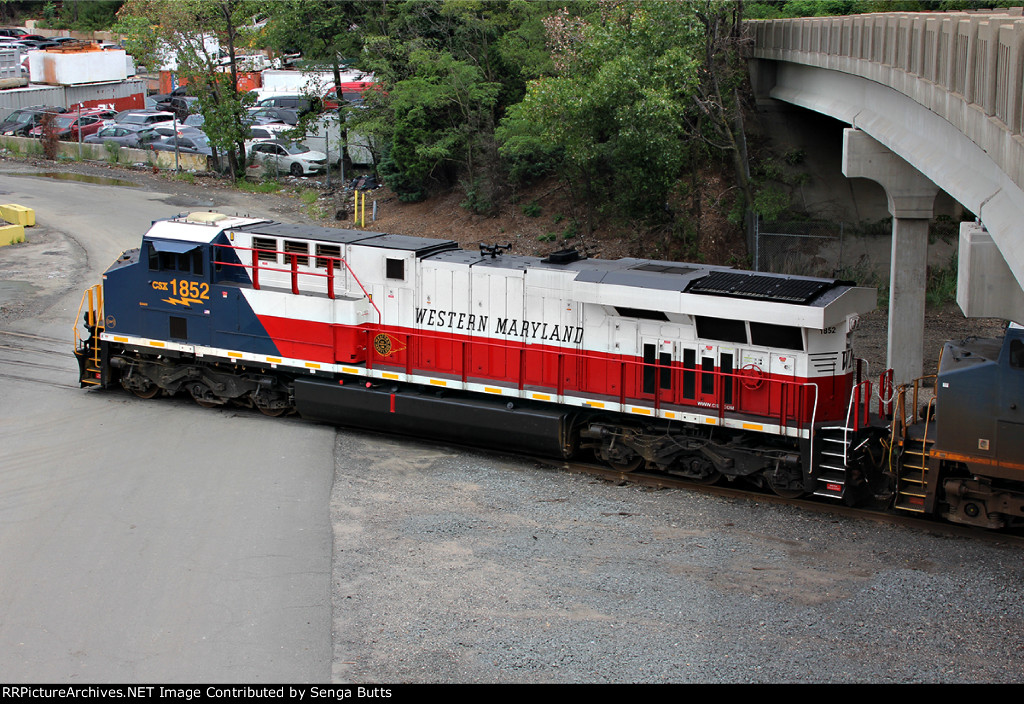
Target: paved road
146,541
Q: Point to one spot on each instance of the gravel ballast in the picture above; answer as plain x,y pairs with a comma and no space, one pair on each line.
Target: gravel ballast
452,565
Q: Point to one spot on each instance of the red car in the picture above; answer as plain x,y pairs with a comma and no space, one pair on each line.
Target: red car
67,126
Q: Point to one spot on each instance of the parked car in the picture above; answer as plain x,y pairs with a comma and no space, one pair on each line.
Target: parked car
20,122
265,133
133,136
182,106
264,115
296,159
141,117
80,122
190,143
298,103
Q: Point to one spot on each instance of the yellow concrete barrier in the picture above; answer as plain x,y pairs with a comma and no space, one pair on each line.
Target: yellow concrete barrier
18,215
10,234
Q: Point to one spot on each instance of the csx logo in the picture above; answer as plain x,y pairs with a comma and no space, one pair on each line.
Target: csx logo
160,285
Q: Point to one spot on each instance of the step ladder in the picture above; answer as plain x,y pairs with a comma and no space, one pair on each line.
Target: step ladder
912,471
834,455
832,467
90,365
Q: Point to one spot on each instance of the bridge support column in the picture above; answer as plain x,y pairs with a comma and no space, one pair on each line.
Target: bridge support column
911,202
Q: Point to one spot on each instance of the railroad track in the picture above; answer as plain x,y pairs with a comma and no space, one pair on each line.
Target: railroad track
37,359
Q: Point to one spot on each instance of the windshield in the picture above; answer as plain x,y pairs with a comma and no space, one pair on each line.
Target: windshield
19,118
63,122
297,149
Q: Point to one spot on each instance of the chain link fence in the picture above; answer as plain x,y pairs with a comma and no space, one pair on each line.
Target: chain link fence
800,248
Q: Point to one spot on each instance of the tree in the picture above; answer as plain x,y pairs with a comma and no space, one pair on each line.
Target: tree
195,33
447,71
327,33
618,107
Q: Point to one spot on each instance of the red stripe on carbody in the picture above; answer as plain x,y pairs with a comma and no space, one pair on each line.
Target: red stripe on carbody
548,368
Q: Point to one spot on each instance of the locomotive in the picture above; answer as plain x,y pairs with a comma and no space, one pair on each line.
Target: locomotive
702,372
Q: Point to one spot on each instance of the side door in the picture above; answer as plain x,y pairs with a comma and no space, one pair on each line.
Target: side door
658,377
709,375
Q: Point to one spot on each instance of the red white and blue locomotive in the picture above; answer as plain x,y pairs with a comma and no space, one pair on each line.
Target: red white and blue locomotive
698,371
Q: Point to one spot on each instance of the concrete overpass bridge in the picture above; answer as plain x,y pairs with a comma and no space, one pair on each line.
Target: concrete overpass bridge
934,101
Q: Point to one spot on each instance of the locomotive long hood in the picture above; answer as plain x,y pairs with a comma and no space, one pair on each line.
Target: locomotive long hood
830,307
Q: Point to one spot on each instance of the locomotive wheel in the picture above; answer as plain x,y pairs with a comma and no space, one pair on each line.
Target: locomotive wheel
698,470
146,390
203,396
264,401
272,412
781,485
625,464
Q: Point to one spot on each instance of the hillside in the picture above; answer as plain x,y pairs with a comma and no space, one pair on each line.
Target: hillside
545,218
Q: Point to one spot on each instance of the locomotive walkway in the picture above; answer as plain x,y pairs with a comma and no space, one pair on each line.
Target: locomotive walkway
934,101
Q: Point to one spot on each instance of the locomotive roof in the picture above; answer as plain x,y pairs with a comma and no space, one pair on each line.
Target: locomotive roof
204,227
628,274
669,276
421,246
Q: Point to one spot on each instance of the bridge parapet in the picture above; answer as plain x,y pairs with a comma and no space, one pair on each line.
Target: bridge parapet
965,67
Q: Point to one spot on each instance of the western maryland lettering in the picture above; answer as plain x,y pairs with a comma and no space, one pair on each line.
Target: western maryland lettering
513,327
539,331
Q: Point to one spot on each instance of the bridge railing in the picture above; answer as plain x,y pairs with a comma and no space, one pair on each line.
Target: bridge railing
976,59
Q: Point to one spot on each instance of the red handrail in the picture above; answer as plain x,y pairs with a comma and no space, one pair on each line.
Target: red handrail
294,272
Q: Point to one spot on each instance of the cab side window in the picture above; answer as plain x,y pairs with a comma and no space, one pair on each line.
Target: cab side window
1017,354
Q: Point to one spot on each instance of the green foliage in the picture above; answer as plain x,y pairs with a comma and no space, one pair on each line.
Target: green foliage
81,15
447,72
477,200
531,210
257,187
795,157
113,151
770,202
940,287
308,196
616,117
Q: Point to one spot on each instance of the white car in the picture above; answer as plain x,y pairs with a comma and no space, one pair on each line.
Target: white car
294,158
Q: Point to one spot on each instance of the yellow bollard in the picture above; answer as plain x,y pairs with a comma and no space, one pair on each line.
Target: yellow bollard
18,215
11,234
